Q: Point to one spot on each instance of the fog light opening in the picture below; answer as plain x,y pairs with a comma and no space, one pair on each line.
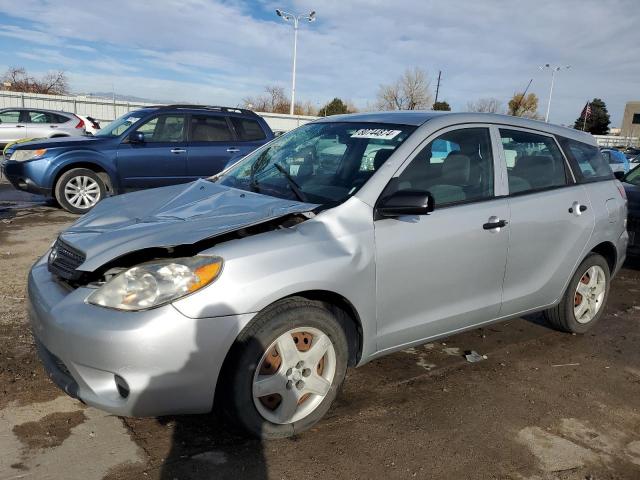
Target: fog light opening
122,386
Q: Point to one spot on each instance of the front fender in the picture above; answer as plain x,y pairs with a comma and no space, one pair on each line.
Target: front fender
81,159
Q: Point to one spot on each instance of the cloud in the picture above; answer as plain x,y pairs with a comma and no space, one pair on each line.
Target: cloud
220,49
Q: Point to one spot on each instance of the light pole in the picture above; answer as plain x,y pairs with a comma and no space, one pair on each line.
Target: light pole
311,16
554,69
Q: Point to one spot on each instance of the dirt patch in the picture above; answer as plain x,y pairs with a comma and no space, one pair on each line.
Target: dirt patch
50,431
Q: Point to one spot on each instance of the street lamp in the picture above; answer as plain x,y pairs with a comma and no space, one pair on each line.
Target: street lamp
310,17
554,69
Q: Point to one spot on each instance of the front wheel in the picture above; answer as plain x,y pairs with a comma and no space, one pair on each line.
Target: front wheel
584,301
285,369
79,190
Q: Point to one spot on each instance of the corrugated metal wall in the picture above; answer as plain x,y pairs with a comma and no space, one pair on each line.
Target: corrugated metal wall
105,110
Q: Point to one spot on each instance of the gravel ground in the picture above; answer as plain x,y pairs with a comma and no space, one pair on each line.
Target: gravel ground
543,405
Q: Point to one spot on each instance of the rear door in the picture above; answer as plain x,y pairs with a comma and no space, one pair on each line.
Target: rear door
212,144
43,124
161,159
551,220
12,126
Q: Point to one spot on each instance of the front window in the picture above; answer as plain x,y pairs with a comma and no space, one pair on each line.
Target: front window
322,163
120,125
633,177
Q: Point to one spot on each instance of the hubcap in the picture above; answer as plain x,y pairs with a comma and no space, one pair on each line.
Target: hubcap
82,192
294,375
589,294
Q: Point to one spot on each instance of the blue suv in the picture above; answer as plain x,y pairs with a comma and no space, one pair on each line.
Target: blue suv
150,147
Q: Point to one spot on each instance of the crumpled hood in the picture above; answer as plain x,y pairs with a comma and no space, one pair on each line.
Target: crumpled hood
170,216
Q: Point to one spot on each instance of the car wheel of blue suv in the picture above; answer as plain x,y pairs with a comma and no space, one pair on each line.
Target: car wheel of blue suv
79,190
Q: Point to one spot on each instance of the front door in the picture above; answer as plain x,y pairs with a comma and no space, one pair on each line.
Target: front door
12,126
551,221
158,161
443,272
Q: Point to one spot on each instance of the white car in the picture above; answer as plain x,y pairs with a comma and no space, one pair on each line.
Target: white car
91,125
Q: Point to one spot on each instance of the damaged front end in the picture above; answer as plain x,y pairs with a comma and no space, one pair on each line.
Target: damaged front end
171,222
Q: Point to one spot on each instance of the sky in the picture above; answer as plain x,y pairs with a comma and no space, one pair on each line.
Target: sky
221,51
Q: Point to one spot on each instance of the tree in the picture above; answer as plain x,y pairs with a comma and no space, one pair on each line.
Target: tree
444,106
16,79
409,92
524,106
334,107
598,121
485,105
272,101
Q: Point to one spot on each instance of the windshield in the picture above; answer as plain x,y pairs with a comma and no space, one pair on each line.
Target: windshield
119,126
322,163
633,177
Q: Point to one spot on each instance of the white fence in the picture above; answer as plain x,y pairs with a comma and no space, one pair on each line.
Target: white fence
105,110
616,141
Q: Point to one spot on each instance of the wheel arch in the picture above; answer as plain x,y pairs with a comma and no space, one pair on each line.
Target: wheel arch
96,167
609,252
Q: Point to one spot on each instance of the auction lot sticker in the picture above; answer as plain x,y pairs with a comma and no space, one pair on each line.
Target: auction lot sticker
380,133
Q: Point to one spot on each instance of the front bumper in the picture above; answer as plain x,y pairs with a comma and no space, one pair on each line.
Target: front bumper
26,176
170,362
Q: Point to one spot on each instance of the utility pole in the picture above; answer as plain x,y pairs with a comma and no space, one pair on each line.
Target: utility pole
438,86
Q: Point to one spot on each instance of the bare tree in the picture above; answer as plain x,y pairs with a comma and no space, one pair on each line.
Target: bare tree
273,100
409,92
485,105
524,106
16,79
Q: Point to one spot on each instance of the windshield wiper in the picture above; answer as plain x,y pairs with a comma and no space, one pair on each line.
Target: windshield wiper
292,183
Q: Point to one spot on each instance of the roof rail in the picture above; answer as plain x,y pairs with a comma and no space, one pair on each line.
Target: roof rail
205,107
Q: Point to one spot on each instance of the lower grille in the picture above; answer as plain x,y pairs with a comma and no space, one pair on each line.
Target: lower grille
64,260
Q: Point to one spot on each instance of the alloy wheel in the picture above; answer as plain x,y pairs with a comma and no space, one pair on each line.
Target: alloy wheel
589,294
82,192
294,375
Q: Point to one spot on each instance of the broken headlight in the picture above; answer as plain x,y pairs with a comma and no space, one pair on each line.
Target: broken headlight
157,283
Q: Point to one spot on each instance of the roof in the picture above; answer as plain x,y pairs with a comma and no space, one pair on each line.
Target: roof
420,117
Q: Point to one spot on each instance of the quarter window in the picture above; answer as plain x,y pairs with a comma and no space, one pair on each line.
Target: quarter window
593,165
534,162
247,130
208,128
456,167
164,128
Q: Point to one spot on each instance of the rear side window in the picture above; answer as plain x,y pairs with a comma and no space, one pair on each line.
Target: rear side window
247,130
592,164
534,162
46,117
209,128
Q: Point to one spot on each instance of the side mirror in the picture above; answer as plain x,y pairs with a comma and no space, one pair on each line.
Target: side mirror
619,175
408,202
136,137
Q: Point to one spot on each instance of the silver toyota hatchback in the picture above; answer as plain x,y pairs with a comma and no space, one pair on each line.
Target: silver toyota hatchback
344,240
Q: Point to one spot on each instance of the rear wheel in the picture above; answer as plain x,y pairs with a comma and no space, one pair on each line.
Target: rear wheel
285,369
79,190
583,303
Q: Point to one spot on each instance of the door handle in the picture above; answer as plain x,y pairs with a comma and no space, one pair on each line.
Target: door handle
495,224
53,126
233,150
178,150
19,126
577,209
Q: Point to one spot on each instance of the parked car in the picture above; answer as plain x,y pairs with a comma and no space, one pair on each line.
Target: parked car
255,289
92,126
20,123
617,160
631,152
631,183
151,147
635,159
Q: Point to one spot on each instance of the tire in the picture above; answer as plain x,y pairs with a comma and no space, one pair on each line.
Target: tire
79,190
256,357
574,313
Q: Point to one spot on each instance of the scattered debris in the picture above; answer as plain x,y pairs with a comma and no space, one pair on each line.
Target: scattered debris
566,365
453,351
472,356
